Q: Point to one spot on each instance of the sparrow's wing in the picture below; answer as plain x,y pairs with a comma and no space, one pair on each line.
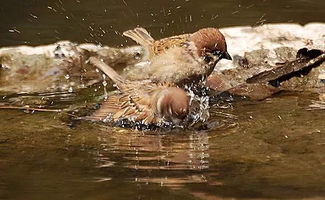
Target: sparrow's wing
120,106
142,37
166,43
134,102
109,107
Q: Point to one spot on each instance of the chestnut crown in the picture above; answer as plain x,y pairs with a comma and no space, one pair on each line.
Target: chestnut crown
212,41
175,103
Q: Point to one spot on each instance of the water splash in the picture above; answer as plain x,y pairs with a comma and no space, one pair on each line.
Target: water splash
105,86
199,103
70,89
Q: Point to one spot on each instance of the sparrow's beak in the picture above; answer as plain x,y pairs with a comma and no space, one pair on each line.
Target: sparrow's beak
226,55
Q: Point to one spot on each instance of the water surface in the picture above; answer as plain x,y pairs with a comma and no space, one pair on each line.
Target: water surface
267,149
38,22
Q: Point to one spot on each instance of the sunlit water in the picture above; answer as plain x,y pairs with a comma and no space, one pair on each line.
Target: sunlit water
267,149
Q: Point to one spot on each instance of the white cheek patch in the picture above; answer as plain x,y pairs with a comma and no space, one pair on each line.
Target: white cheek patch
214,58
212,61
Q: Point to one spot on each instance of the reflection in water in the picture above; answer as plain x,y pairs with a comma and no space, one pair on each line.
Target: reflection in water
160,154
267,149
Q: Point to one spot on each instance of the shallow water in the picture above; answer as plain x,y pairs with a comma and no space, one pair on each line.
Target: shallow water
267,149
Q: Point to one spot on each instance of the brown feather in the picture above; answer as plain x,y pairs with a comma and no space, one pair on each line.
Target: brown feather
160,46
209,39
142,37
141,101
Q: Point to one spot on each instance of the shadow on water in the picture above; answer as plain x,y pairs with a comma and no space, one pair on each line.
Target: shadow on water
266,149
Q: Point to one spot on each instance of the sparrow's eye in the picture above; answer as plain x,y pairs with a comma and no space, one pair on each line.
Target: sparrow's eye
207,58
216,52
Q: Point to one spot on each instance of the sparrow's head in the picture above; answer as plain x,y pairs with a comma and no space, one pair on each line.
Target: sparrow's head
173,104
211,45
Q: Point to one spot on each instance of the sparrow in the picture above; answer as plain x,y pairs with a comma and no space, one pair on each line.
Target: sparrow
180,59
142,102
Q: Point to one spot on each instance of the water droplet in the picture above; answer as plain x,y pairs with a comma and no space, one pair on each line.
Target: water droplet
104,83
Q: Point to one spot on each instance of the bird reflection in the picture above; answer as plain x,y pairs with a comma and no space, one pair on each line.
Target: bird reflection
159,158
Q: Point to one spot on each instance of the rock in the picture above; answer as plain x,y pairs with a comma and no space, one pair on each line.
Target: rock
261,55
255,91
58,67
313,81
270,37
273,54
284,71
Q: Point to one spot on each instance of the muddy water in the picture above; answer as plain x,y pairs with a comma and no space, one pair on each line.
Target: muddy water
268,149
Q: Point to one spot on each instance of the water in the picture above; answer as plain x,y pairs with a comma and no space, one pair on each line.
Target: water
267,149
38,22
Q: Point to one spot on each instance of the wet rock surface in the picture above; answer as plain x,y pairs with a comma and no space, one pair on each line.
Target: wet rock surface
57,67
281,56
267,59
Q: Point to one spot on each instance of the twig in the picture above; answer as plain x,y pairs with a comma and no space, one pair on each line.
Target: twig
4,106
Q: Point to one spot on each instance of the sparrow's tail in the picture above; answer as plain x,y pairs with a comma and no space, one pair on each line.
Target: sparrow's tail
142,37
110,72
